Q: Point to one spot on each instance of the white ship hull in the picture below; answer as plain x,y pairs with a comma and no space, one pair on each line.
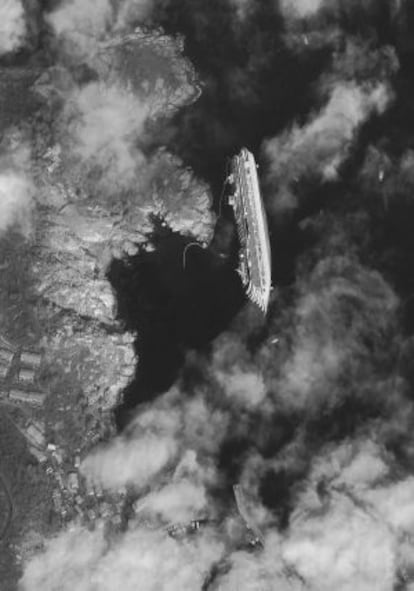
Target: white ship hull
255,256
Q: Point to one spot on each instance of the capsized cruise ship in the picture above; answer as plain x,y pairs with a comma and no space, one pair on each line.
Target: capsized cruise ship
245,199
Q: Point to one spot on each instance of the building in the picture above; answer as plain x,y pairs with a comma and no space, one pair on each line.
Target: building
34,433
255,256
30,359
27,396
26,376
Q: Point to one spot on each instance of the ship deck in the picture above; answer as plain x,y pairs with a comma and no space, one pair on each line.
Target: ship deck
252,226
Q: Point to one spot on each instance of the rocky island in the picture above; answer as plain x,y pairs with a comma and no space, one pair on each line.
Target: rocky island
65,357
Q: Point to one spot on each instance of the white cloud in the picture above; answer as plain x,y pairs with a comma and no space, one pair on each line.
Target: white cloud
301,8
16,194
177,502
91,18
342,548
104,125
12,25
133,11
128,462
82,25
145,559
323,143
16,186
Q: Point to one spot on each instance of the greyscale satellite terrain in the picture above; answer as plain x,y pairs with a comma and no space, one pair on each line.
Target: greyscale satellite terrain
168,419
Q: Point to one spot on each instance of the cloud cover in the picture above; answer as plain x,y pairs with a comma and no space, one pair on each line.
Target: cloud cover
82,25
90,562
12,26
324,142
101,127
301,8
16,186
15,201
310,412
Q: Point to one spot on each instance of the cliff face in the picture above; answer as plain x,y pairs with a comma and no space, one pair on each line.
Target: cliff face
86,205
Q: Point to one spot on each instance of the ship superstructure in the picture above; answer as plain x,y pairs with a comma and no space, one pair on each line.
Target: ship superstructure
254,265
